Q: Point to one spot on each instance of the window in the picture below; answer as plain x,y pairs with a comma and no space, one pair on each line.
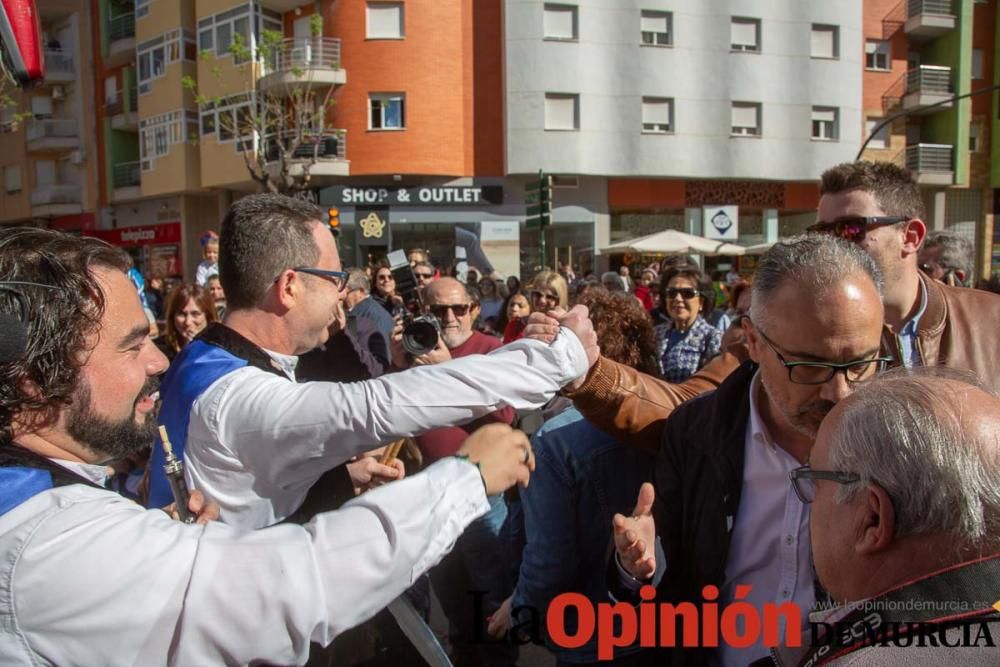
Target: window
877,55
825,40
824,123
141,8
387,111
385,20
41,106
977,63
158,133
744,34
560,22
562,111
657,115
975,130
746,119
8,119
12,179
230,120
155,54
881,138
656,28
216,33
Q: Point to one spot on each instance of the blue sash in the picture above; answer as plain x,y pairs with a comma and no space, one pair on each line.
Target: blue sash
19,484
193,371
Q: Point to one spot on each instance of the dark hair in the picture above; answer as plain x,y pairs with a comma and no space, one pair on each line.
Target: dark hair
736,291
502,320
376,291
262,235
893,187
59,321
624,329
702,283
177,300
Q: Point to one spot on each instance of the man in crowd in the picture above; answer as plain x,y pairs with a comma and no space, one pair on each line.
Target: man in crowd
724,510
368,322
480,560
214,286
947,257
257,442
878,206
94,579
906,518
424,273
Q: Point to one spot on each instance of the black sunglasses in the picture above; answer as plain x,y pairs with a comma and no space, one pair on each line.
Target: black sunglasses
440,310
686,293
854,228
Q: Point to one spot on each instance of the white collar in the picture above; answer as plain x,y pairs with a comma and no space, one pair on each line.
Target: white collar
285,362
96,473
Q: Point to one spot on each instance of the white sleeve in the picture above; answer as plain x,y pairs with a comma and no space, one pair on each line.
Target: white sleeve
100,581
288,434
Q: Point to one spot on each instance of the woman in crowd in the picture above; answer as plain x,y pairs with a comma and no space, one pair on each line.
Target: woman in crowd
513,284
686,342
548,290
190,308
490,302
515,307
384,291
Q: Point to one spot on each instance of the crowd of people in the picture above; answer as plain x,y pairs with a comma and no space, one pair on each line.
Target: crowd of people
822,433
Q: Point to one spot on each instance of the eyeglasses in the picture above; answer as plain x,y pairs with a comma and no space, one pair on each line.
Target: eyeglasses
854,228
440,310
423,276
338,278
685,293
804,480
548,296
821,372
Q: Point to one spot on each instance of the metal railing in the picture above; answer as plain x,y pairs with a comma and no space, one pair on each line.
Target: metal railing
51,128
933,7
58,61
303,53
326,146
932,79
894,20
125,175
55,194
929,157
121,27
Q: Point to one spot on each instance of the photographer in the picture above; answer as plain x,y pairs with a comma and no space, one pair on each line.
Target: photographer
479,561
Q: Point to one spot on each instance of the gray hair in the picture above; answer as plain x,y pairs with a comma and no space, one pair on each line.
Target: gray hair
906,432
814,261
956,253
612,281
357,280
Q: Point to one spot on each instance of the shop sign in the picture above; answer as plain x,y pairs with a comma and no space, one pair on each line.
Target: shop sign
721,223
132,237
425,195
373,226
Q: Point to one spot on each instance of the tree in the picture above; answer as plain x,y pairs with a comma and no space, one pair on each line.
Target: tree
281,128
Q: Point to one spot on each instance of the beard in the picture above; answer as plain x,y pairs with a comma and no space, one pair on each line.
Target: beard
805,418
112,440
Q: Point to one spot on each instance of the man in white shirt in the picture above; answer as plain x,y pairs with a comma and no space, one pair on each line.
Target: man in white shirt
91,578
256,442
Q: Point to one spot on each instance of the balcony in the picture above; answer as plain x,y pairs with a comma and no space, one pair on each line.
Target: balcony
931,164
126,181
121,40
53,135
927,19
296,62
123,110
925,85
58,67
52,200
329,150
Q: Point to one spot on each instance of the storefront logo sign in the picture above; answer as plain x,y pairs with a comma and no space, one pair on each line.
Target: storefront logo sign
721,223
372,227
429,195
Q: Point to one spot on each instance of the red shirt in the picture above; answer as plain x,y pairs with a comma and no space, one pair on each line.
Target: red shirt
514,331
444,442
644,295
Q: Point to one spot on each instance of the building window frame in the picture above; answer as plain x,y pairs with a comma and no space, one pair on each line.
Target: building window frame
550,8
656,37
381,115
878,55
155,55
834,31
12,179
743,47
879,141
825,123
384,4
564,97
743,130
158,133
215,33
653,124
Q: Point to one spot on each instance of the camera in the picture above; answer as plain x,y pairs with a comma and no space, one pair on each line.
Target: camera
421,331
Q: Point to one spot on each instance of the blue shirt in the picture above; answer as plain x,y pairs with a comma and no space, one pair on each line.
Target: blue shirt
680,354
907,336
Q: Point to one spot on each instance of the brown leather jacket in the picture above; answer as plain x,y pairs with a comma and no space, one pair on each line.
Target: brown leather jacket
632,406
960,329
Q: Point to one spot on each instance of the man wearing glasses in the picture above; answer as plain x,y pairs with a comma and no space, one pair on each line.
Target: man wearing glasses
878,206
724,511
258,443
905,516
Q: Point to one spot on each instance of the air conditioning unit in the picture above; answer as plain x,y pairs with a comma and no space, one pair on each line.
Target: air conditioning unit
58,93
77,157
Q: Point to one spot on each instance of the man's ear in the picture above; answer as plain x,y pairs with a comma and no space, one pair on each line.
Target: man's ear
877,521
914,233
753,339
286,288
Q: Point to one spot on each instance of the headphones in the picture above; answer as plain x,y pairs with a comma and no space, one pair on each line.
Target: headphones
14,327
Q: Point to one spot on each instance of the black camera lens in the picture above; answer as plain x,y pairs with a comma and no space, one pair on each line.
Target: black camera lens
420,337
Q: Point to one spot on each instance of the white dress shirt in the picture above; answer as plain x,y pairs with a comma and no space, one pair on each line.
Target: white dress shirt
257,442
769,546
90,578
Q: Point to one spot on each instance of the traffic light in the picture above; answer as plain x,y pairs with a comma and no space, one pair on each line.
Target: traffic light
333,219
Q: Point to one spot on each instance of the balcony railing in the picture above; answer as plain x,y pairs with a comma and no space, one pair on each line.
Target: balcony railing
125,175
894,20
121,27
929,157
50,128
929,79
55,194
58,61
329,145
122,103
303,53
932,7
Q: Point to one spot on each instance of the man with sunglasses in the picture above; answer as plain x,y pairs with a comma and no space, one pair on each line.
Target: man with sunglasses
878,206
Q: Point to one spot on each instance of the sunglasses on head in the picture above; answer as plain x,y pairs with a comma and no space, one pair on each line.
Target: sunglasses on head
686,293
854,228
440,310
